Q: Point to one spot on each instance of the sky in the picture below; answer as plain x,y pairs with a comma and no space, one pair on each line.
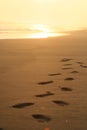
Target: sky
68,14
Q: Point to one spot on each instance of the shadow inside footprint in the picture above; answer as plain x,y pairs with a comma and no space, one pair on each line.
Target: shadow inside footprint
66,89
67,64
67,68
61,103
41,117
1,129
46,94
54,74
22,105
46,82
74,72
65,59
69,78
79,62
83,66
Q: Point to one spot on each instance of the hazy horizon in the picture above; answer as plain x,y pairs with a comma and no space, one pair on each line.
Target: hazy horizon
22,30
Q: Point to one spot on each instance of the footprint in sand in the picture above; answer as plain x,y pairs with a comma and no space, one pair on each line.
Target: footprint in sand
22,105
48,93
45,82
41,117
65,59
65,88
74,72
67,64
54,74
79,62
67,68
83,66
69,78
61,103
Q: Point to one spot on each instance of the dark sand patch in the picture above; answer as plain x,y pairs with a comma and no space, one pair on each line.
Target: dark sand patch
45,82
22,105
54,74
66,89
69,78
61,103
67,68
65,59
48,93
74,72
83,66
41,117
67,64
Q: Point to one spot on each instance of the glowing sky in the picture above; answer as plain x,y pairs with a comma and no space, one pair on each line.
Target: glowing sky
61,13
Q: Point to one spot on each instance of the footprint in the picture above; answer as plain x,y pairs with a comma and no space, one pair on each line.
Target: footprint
79,62
83,66
61,103
74,72
65,59
67,68
46,82
69,78
22,105
41,117
67,64
66,89
54,74
46,94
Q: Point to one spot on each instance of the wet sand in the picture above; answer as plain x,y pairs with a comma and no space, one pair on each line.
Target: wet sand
36,92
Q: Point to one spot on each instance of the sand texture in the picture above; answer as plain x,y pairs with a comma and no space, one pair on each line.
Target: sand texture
43,84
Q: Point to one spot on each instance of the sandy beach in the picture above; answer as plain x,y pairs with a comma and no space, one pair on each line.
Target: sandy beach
43,83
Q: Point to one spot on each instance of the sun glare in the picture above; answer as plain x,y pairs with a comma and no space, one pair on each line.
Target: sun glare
42,31
45,35
39,35
40,27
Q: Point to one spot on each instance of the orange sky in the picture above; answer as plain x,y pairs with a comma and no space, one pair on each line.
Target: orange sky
67,14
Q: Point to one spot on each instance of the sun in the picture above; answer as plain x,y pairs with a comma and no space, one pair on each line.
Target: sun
40,35
42,31
40,27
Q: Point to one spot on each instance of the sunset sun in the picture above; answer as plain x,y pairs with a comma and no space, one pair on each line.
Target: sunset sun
41,31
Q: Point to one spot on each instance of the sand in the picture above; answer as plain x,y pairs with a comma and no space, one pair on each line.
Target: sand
36,92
